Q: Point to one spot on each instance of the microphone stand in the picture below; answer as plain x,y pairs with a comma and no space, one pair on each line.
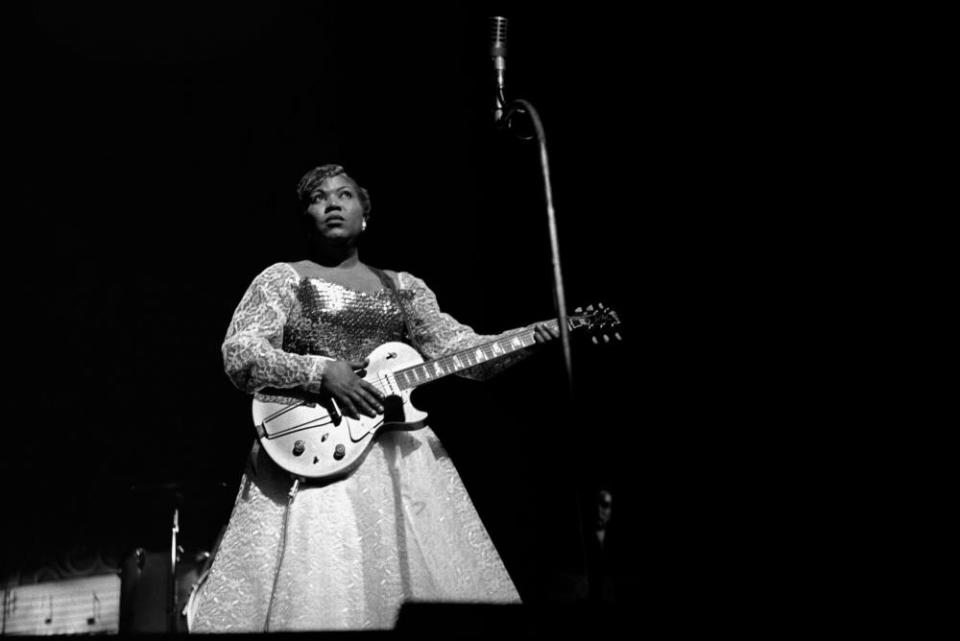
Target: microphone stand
520,106
523,106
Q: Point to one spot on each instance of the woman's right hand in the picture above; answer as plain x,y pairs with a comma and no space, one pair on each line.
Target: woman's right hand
355,396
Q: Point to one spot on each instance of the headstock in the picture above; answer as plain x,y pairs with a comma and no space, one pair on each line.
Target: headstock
599,321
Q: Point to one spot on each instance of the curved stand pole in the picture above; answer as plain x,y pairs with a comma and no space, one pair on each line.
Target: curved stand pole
522,106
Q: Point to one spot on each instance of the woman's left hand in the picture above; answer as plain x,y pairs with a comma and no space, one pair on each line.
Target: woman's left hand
544,333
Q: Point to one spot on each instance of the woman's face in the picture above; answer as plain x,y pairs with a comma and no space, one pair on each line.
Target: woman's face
335,209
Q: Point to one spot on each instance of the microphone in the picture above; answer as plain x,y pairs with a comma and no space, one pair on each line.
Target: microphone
498,51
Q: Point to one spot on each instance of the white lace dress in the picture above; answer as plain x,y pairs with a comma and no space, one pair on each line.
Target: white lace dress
401,527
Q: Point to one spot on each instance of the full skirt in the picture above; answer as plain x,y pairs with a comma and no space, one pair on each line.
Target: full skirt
400,528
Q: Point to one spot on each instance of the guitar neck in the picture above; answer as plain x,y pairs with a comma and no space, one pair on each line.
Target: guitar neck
411,377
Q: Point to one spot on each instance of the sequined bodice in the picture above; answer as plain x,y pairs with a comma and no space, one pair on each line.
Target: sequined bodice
287,328
332,320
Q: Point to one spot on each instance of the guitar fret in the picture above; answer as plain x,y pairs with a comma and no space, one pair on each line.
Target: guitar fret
424,372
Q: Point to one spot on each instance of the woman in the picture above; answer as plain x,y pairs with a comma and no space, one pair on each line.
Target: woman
347,554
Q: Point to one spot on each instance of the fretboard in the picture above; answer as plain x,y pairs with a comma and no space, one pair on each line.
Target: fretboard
411,377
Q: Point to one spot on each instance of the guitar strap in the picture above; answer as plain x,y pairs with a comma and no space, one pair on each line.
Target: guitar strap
390,285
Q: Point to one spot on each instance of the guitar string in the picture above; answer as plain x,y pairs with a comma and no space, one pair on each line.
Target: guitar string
465,355
299,403
382,383
383,386
506,343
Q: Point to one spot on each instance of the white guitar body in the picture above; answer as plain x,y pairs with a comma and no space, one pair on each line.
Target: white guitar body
315,442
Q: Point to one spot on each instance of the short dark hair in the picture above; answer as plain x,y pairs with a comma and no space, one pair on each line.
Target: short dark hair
313,178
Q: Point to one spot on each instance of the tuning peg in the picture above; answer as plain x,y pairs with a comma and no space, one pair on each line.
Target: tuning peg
600,306
606,339
578,310
593,339
617,336
589,308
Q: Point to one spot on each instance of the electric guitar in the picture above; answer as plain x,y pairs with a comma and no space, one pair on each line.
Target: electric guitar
313,440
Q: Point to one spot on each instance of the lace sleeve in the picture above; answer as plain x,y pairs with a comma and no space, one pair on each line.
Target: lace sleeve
252,357
440,334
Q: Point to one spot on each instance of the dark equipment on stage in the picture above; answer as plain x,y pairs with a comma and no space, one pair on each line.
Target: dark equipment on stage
158,576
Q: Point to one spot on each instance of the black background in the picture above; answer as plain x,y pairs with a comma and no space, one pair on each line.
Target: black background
157,154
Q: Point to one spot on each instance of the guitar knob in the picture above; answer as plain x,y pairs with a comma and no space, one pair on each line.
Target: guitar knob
339,452
298,448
